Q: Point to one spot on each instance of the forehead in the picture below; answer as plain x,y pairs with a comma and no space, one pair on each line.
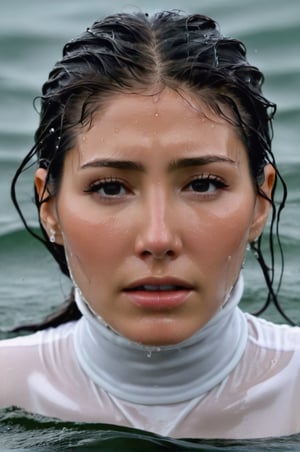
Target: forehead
167,119
162,104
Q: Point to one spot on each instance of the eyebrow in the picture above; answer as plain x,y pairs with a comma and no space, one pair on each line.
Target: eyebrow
112,163
174,165
199,161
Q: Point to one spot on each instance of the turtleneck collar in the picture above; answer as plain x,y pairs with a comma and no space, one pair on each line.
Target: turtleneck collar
152,375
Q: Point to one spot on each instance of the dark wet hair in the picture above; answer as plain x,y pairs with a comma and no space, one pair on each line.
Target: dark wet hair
130,53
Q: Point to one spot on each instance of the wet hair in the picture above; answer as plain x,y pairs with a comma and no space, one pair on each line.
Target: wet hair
132,53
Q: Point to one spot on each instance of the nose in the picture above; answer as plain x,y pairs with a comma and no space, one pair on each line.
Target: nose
158,234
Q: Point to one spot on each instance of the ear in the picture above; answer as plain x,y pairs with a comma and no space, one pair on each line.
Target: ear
262,205
48,214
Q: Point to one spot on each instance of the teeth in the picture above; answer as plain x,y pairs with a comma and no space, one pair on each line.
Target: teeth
155,288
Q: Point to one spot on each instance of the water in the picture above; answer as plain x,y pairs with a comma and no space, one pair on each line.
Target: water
31,36
21,431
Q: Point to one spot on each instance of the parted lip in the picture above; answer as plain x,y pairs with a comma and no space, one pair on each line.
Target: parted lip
177,283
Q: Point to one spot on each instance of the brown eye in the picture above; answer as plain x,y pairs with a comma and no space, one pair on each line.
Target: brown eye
112,188
202,185
108,188
206,184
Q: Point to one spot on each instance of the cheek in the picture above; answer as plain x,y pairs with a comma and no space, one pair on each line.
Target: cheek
220,255
93,247
220,238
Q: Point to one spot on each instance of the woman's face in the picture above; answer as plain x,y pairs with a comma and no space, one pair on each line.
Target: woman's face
155,209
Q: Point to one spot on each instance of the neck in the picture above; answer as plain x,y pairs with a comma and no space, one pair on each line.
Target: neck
157,375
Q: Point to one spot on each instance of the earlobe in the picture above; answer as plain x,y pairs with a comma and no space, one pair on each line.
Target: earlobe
48,215
263,203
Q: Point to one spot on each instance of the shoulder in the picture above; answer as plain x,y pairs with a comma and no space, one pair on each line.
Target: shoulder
21,348
270,366
263,391
273,336
39,338
24,357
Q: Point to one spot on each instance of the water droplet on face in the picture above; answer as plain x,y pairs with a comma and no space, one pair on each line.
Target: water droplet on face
156,115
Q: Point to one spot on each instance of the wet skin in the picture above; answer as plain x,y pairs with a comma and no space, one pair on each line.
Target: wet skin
155,210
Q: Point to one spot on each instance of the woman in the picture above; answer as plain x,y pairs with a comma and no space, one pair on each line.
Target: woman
155,173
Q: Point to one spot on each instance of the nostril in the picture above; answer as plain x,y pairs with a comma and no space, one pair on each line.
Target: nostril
158,244
170,253
159,255
146,253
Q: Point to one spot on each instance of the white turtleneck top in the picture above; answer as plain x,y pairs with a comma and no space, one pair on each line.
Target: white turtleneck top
237,377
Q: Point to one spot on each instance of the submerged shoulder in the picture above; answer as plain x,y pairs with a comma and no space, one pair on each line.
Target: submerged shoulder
273,336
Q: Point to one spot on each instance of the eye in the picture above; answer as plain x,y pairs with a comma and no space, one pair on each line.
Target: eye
206,184
108,188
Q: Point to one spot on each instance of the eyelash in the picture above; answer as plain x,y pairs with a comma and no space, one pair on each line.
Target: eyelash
95,187
208,179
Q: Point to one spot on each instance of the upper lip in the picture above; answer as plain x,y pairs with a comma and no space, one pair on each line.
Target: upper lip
163,281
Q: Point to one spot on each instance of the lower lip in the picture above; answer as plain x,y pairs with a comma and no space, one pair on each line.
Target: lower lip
158,300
